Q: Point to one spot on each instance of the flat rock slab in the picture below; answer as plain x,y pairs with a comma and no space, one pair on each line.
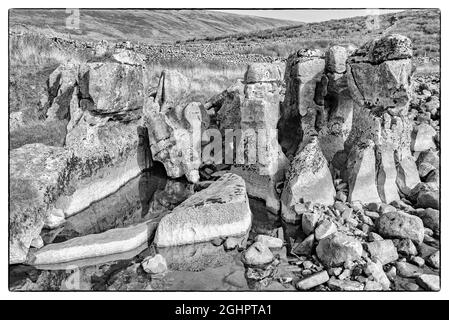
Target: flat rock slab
95,245
221,210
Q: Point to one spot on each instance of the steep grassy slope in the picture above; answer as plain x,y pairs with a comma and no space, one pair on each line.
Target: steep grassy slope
152,26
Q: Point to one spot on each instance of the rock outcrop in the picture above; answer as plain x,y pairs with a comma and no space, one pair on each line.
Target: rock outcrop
175,127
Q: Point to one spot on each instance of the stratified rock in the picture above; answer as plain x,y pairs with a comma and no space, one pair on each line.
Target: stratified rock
362,177
39,174
336,59
429,282
270,242
383,250
337,249
113,87
263,72
312,281
175,126
303,70
154,265
257,255
94,245
221,210
400,225
309,178
422,138
61,87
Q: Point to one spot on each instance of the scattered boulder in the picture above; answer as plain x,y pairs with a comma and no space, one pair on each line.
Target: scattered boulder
383,251
401,225
337,249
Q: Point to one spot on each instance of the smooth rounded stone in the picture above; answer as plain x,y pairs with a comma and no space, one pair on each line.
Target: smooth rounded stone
373,286
270,242
434,260
429,282
221,210
263,72
407,270
400,225
325,229
309,221
430,218
309,177
312,281
417,261
304,248
374,269
406,247
344,285
337,249
257,255
383,250
154,265
422,138
336,59
111,242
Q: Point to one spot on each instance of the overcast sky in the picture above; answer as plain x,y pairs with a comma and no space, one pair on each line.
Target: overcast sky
308,15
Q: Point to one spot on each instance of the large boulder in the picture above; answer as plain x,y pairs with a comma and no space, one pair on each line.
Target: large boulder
400,225
337,249
221,210
39,174
308,179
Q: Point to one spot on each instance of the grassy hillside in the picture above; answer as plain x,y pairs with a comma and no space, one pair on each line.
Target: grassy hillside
152,26
421,26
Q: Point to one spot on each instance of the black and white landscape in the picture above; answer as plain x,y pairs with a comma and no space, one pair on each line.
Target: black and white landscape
196,150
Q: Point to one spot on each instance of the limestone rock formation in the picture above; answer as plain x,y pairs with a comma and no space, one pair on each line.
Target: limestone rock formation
39,174
308,179
221,210
379,81
175,127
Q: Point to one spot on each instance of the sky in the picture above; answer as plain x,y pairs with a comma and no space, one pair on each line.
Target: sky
309,15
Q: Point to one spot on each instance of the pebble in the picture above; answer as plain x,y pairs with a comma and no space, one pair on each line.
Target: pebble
312,281
154,265
344,285
417,261
270,242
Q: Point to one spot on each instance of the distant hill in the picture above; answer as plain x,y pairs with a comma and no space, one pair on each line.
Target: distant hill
151,26
421,26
